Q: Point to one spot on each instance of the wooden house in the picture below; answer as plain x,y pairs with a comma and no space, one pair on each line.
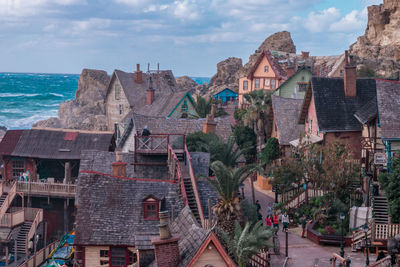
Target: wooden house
329,107
49,153
266,74
296,85
154,94
226,95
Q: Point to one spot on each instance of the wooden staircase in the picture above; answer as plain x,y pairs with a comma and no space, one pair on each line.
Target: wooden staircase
22,238
2,198
189,191
381,209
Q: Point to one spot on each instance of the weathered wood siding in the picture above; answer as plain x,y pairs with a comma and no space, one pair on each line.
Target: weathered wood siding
113,105
210,256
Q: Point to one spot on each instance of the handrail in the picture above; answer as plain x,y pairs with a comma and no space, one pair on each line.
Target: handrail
7,201
36,221
179,174
384,260
1,189
47,188
12,219
194,185
40,255
337,257
384,231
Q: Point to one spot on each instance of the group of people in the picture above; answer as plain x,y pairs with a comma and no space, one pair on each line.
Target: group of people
274,217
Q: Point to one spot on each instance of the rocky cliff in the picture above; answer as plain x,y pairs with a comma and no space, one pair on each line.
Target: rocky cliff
187,83
379,48
87,110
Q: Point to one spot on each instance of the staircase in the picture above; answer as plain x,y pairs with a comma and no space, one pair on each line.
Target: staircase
2,198
21,238
381,209
189,190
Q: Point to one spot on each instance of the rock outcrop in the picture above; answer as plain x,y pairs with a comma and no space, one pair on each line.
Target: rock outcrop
87,110
186,83
379,48
3,131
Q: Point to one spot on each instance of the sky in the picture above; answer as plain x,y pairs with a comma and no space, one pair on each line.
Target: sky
187,36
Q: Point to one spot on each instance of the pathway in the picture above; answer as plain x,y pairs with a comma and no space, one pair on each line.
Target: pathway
302,252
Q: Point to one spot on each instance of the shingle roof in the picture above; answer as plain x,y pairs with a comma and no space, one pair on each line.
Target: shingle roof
335,111
206,192
110,210
167,92
286,112
366,112
279,72
54,144
176,125
388,95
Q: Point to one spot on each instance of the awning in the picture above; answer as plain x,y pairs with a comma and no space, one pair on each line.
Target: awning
309,139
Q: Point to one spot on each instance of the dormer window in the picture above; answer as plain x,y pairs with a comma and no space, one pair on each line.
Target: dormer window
151,207
266,68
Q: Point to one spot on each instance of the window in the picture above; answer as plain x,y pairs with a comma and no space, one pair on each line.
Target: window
266,82
273,84
18,167
117,89
184,107
257,83
150,209
121,109
309,126
104,253
265,68
132,257
118,256
302,78
341,73
302,86
245,85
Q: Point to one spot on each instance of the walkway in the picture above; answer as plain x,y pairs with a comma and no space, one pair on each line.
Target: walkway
303,253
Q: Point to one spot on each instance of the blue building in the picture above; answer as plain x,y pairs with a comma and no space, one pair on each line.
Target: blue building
226,95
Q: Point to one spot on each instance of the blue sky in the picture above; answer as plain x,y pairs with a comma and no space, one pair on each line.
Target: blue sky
188,36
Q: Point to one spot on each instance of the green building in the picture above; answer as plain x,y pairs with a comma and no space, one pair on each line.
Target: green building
296,85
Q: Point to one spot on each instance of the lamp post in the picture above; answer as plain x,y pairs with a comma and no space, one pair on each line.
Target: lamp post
365,228
342,216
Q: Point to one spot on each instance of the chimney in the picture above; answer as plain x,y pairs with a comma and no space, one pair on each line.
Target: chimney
166,245
350,76
138,75
119,167
290,70
210,126
305,55
150,93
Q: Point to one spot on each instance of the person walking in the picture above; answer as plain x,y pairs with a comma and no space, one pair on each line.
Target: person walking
275,221
258,206
285,221
303,226
268,221
269,210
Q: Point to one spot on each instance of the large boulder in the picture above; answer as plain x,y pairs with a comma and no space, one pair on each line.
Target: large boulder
87,110
186,83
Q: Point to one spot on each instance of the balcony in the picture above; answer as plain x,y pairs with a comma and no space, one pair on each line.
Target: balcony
57,190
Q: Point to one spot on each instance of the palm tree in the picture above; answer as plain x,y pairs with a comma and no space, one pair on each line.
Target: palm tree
228,153
257,114
203,107
247,241
226,183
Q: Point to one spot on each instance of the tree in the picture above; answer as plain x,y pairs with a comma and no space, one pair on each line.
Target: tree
257,114
226,183
248,241
246,140
365,72
203,107
271,151
391,184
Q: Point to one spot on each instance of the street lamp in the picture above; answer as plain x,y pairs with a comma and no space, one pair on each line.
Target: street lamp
365,229
342,216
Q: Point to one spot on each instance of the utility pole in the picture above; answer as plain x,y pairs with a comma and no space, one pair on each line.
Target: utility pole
287,245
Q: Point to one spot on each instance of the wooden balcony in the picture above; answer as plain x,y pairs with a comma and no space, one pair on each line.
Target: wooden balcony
47,189
157,144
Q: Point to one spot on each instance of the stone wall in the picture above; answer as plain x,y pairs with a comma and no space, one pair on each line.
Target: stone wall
113,106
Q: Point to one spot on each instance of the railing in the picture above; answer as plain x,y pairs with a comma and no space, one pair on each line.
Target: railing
1,189
289,194
384,231
176,173
341,260
8,200
261,259
158,143
47,189
37,218
385,262
194,185
301,197
209,223
40,256
126,133
12,219
359,236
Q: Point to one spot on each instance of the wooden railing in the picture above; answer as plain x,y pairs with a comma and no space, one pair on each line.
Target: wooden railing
194,185
299,199
37,215
47,189
261,259
40,256
12,219
176,173
385,262
359,236
152,143
1,189
341,260
7,201
384,231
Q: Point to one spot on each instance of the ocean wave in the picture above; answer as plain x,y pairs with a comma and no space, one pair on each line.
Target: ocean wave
54,94
17,95
27,122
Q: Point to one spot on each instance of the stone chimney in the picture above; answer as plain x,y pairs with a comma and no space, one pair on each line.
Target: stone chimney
150,93
119,167
305,55
350,76
210,126
166,245
138,75
291,69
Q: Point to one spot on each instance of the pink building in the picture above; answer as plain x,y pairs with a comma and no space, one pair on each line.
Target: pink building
266,74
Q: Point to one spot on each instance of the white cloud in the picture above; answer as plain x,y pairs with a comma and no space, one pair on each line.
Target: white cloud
320,21
185,10
135,3
20,8
353,21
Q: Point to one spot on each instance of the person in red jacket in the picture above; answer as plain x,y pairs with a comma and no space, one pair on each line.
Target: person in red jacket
275,220
268,221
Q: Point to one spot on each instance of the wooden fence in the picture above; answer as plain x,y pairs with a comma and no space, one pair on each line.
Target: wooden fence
300,198
384,231
47,189
40,256
261,259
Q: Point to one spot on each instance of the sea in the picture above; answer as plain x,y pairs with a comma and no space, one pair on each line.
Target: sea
26,98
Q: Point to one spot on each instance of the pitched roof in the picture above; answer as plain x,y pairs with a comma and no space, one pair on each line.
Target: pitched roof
206,192
388,95
286,112
294,74
54,144
335,111
177,125
110,210
226,89
167,92
279,72
366,112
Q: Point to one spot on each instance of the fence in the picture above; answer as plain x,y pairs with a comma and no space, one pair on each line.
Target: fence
36,217
299,199
40,256
158,143
47,189
262,259
384,231
8,200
